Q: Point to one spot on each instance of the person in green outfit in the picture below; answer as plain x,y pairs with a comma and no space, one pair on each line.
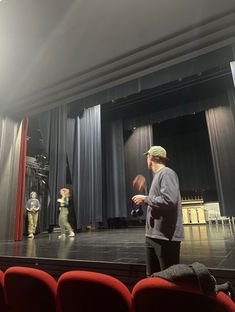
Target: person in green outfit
64,211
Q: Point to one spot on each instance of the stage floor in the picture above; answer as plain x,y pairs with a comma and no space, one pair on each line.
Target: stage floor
212,245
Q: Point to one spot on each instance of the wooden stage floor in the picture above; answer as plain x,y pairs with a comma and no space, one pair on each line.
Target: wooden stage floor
121,252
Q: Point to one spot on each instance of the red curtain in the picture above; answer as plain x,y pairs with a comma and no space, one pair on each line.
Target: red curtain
18,233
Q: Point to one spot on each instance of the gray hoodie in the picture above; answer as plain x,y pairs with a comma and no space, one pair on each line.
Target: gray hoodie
164,212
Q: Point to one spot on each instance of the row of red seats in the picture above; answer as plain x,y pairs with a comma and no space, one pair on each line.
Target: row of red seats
26,289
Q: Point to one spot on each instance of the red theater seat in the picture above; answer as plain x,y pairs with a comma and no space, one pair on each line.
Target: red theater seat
2,294
90,292
157,294
30,290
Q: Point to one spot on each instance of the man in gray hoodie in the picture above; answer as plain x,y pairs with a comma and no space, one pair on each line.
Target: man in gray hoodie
164,228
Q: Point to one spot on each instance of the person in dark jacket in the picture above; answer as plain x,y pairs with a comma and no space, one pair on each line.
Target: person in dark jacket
164,227
64,211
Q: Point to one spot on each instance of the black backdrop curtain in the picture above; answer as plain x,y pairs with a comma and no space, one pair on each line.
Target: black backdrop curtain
76,142
73,154
182,106
115,170
85,163
221,129
187,143
137,142
44,120
90,183
57,160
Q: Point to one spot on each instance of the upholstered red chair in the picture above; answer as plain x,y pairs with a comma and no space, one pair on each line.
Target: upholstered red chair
90,292
30,290
161,295
2,293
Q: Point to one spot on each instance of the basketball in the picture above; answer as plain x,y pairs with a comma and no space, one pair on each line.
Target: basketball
139,183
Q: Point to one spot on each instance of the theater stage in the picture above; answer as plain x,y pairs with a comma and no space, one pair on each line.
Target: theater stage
121,252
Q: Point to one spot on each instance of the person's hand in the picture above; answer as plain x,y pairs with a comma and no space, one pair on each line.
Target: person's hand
138,199
60,200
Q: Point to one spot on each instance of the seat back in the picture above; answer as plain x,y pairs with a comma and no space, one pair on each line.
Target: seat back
29,289
2,293
90,291
161,295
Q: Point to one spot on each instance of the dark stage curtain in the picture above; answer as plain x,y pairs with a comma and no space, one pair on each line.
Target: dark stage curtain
178,110
73,156
115,170
189,154
71,143
57,160
137,142
158,78
90,182
10,138
85,166
18,234
44,120
221,129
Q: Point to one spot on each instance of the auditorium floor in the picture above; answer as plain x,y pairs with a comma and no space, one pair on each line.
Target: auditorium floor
212,245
